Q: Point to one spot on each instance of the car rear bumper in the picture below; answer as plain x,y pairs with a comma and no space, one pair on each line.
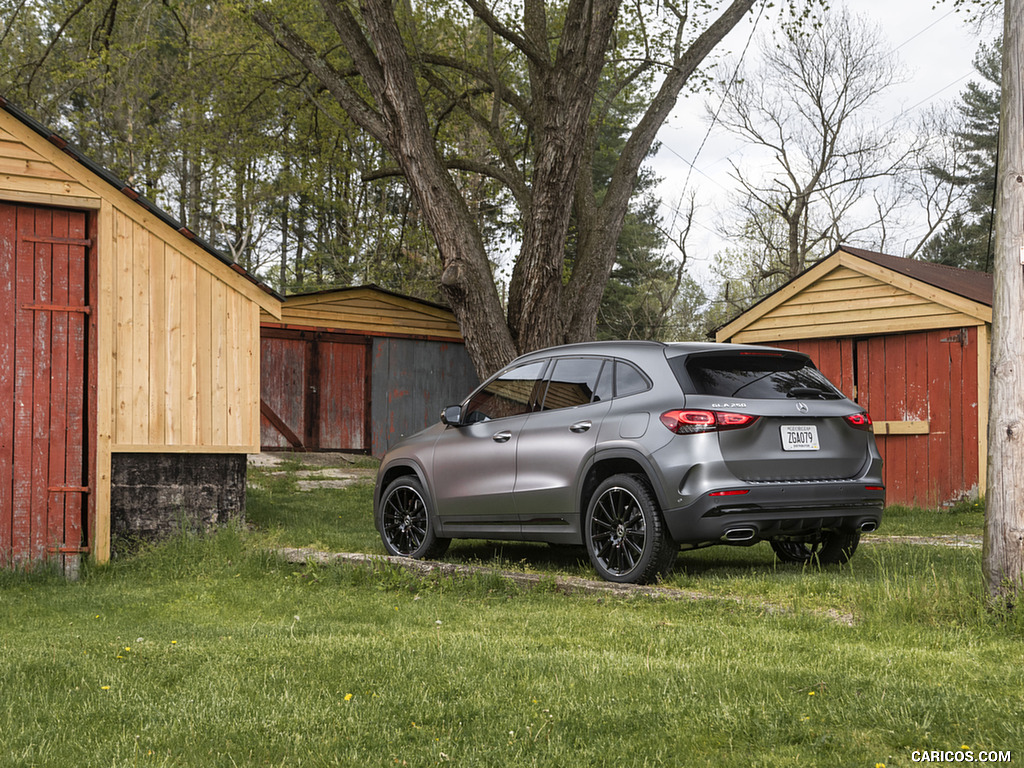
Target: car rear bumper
777,510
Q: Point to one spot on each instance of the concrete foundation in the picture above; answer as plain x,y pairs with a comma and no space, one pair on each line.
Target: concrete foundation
154,495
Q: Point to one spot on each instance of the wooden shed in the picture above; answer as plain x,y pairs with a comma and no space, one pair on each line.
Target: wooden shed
909,341
355,369
129,358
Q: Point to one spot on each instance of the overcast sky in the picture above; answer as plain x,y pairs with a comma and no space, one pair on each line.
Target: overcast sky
936,46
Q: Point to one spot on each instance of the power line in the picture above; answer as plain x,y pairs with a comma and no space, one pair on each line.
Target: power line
721,104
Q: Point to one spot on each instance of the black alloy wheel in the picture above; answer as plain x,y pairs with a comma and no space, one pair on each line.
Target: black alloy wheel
624,533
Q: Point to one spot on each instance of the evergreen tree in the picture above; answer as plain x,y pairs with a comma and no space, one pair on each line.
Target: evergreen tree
966,240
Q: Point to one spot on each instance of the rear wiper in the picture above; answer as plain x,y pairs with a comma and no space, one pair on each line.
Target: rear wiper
809,392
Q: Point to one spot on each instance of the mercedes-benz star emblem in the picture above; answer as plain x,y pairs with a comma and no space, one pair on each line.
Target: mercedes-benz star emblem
802,407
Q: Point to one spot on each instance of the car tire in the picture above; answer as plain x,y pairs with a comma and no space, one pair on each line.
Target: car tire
405,521
625,534
835,548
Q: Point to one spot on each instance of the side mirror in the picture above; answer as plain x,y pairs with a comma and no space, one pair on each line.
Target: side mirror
452,416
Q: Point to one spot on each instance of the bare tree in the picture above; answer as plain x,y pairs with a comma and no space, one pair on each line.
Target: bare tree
1004,518
808,110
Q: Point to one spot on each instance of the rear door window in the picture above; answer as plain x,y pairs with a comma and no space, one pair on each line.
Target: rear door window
574,381
754,376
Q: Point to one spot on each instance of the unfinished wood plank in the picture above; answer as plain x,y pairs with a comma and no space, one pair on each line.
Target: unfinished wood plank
188,380
859,328
32,168
204,358
140,334
159,342
124,295
219,364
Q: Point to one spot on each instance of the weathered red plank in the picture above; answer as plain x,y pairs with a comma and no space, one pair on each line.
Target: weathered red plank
8,250
23,335
954,340
970,399
59,405
75,461
871,395
918,409
43,257
895,376
939,376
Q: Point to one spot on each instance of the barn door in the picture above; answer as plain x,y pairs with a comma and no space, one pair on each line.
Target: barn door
313,390
44,332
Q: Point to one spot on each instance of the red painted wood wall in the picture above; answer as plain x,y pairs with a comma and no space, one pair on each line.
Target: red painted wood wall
44,351
926,376
314,390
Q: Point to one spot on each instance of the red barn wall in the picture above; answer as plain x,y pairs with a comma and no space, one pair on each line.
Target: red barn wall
904,379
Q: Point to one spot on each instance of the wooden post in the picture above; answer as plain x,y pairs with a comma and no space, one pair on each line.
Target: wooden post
1004,519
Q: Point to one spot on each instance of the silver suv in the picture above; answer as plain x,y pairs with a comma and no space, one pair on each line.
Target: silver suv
635,450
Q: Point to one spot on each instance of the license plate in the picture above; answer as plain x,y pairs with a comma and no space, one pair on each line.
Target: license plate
797,437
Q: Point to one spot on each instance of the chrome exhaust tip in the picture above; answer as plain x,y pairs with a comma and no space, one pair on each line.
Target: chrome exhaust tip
868,527
740,534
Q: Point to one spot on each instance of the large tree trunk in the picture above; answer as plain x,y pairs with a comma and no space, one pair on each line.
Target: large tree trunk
399,123
601,226
563,95
1004,520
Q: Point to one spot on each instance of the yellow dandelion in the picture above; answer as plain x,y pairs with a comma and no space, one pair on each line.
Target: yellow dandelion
879,765
348,697
174,642
810,693
104,687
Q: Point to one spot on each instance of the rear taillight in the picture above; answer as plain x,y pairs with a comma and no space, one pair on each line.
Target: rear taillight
859,420
689,422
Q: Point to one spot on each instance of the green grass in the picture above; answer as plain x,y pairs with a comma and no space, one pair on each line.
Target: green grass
965,518
210,651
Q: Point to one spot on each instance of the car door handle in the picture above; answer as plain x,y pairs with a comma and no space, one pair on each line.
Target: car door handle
580,426
501,437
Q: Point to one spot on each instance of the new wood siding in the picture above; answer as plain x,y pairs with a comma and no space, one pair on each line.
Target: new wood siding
846,302
33,174
185,373
369,311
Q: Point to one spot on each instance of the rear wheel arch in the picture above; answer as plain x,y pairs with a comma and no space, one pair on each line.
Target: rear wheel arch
625,463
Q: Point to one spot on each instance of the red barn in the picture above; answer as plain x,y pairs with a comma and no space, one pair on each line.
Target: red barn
355,369
909,341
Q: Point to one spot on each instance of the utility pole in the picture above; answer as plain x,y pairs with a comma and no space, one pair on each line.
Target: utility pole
1004,516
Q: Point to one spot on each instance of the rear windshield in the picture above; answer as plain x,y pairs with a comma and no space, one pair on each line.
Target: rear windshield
758,377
